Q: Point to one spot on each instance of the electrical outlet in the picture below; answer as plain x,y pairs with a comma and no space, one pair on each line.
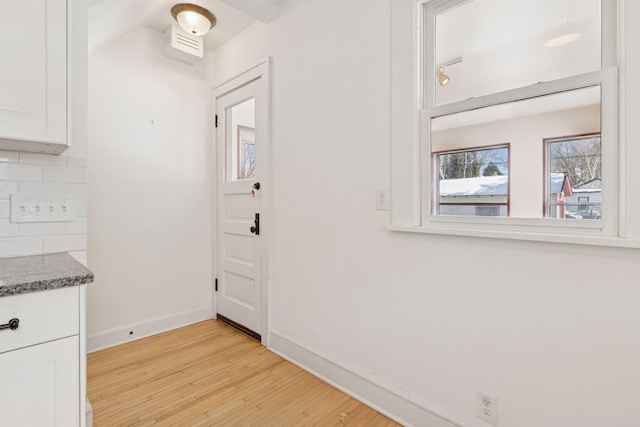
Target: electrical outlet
382,199
488,407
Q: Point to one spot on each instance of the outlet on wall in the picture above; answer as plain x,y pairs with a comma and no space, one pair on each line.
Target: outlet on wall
488,407
382,199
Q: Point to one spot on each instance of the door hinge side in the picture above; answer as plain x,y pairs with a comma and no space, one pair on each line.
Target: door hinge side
216,285
216,120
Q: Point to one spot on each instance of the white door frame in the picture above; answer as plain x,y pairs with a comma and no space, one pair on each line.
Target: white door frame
263,131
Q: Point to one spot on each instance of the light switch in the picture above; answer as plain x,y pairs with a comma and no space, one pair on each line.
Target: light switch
42,208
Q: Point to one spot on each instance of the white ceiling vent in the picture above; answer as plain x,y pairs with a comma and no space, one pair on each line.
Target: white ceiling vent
180,45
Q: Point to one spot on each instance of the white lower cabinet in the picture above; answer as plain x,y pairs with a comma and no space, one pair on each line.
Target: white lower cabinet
42,361
39,385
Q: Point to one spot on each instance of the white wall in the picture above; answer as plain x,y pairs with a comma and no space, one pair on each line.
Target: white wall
433,318
150,190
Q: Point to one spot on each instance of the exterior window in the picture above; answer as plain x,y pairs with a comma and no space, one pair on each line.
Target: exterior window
583,200
473,182
574,184
526,72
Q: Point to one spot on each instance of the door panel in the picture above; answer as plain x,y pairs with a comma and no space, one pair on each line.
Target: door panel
240,289
239,207
239,248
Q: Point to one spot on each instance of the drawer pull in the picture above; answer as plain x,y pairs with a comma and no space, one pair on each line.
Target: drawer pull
13,324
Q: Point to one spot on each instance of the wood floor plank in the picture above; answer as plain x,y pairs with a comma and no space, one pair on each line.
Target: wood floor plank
209,374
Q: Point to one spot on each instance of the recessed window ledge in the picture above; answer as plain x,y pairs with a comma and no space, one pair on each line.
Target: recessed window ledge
617,242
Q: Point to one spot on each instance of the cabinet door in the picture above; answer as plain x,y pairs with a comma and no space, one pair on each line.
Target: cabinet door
33,75
39,385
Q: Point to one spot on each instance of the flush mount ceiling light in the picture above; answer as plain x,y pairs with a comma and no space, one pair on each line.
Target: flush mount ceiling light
193,19
444,79
563,40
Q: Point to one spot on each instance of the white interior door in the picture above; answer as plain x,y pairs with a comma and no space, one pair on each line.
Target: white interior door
242,155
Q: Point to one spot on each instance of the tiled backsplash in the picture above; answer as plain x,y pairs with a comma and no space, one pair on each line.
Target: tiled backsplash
27,173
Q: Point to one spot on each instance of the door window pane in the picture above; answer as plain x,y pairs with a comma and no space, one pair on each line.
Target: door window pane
489,46
241,141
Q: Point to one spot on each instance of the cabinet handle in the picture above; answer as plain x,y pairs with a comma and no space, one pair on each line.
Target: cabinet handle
13,325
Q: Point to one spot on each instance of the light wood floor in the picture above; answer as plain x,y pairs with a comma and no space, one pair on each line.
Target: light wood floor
209,374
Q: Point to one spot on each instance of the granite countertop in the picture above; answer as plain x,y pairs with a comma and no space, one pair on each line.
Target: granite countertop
41,272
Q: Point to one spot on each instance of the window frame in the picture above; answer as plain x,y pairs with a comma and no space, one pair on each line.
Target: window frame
611,225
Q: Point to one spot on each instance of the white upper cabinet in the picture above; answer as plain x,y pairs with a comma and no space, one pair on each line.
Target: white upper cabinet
33,76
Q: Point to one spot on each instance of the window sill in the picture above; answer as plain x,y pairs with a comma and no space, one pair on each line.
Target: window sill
616,242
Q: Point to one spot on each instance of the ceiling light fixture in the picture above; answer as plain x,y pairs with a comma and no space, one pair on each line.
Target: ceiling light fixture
563,40
444,79
193,19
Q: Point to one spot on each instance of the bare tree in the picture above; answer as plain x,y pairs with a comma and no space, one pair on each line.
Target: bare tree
578,159
473,163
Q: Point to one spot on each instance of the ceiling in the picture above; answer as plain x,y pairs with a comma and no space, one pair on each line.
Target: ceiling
109,19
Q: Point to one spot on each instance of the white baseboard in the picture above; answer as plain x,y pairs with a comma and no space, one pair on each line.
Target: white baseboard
395,402
121,335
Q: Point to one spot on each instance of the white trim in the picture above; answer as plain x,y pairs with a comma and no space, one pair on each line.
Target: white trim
242,78
82,346
615,242
113,337
405,113
536,90
391,400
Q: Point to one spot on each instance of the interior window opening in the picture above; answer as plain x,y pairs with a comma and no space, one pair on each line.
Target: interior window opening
468,171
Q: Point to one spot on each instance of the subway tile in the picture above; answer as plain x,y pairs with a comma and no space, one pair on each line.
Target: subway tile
73,242
65,174
42,188
21,246
79,226
41,159
5,209
18,172
81,208
42,228
8,157
78,191
8,229
8,188
80,162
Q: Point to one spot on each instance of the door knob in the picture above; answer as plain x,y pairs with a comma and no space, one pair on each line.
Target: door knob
256,186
